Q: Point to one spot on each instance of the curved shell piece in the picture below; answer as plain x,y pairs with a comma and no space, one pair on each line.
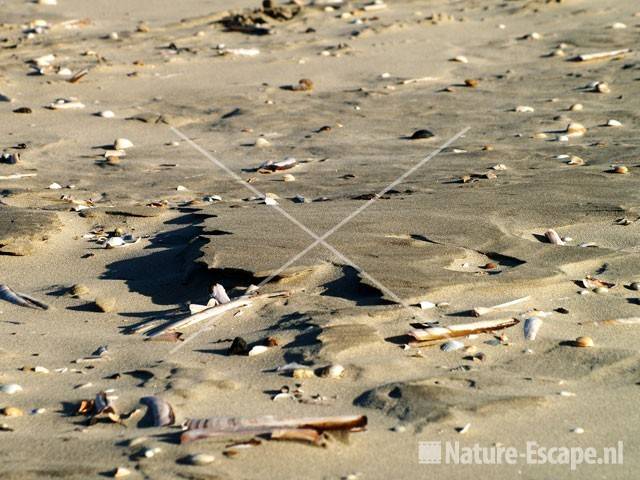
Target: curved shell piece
451,346
553,237
161,411
6,293
531,327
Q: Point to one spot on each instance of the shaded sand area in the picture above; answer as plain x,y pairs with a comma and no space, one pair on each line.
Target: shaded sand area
341,88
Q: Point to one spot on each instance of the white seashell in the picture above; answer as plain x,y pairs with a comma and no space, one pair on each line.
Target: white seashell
576,107
270,201
54,186
65,72
200,459
531,327
45,60
122,144
48,2
241,52
575,129
619,26
578,430
107,114
262,142
115,242
575,160
114,153
64,104
10,388
426,305
333,371
121,472
563,138
287,177
461,59
524,109
553,237
39,369
220,294
602,87
257,350
614,123
464,429
451,346
181,188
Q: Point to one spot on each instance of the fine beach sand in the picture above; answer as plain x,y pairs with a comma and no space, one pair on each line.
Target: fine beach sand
465,230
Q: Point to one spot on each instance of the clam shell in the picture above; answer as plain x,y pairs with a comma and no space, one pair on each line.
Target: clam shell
584,342
451,346
199,459
21,299
531,327
257,350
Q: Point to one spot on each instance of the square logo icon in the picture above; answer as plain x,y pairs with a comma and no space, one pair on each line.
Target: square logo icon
430,453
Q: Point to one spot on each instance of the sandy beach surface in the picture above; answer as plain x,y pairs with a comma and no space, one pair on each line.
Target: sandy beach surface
470,155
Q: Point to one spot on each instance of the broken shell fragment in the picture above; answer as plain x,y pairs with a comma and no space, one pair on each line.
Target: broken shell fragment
64,104
161,411
21,299
199,459
576,107
575,129
524,109
621,169
575,160
287,177
451,346
301,373
262,142
553,237
10,388
421,134
12,412
257,350
332,371
122,144
531,327
121,472
106,114
614,123
584,342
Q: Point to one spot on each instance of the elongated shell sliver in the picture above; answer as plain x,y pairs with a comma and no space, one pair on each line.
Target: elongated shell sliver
161,411
531,327
229,426
21,299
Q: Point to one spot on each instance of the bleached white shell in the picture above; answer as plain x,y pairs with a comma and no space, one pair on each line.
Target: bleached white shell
107,114
257,350
10,388
114,242
262,142
531,327
122,144
524,109
451,346
614,123
54,186
200,459
426,305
